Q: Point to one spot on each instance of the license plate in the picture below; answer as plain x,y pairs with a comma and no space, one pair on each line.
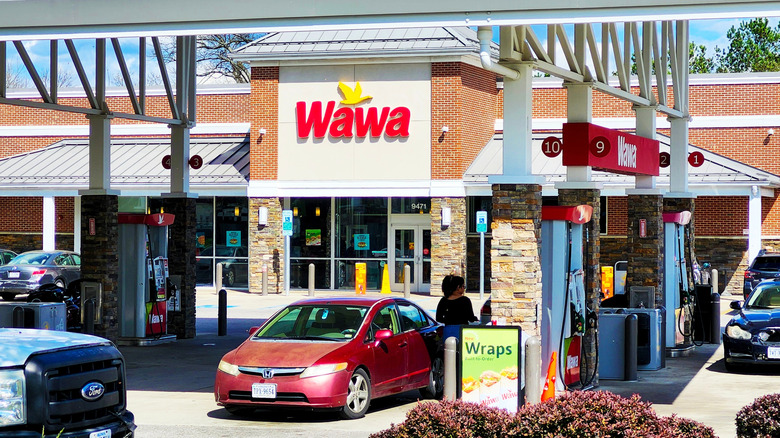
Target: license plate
101,434
264,390
773,352
13,275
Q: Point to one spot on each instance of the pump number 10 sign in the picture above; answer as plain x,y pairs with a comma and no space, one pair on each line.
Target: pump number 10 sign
481,222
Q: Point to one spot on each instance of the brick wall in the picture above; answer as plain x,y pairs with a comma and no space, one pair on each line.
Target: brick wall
212,108
264,113
463,98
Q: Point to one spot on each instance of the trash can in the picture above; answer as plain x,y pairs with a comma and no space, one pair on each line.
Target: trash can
702,313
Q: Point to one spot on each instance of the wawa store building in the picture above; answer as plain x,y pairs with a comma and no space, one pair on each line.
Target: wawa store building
382,152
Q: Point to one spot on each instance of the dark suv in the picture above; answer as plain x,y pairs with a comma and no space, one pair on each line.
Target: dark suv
764,266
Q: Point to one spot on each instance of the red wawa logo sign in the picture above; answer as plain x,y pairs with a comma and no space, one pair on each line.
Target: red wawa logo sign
351,122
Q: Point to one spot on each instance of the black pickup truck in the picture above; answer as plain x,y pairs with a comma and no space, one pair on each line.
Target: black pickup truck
56,383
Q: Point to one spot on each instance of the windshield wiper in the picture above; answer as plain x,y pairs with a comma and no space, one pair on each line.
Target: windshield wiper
314,338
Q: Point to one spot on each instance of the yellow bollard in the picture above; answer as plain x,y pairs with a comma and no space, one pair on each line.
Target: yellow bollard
386,281
360,278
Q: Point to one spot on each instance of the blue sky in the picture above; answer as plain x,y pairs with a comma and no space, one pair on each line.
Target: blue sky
710,33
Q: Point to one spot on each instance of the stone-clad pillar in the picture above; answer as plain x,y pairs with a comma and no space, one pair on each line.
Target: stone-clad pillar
181,262
448,244
645,254
592,249
99,256
266,246
516,282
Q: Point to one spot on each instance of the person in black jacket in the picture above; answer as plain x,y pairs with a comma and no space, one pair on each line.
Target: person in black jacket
454,308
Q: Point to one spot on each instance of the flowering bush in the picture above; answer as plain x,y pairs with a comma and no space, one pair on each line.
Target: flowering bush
573,415
760,418
451,420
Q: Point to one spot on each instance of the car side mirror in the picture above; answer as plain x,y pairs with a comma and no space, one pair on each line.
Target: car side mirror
736,304
381,335
253,330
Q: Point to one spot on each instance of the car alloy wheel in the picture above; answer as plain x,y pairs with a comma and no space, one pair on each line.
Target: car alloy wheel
358,396
435,388
230,278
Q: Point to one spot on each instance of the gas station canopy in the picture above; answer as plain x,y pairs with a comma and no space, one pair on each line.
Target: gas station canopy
41,19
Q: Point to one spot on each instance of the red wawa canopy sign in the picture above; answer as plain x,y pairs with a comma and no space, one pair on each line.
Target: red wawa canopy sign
349,122
586,144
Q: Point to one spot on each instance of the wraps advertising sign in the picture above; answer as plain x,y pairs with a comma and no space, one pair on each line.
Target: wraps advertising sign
490,366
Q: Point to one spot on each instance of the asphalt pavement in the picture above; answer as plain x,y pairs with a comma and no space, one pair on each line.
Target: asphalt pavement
170,386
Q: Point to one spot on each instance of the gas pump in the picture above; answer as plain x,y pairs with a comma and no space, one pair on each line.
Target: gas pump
563,289
676,289
143,278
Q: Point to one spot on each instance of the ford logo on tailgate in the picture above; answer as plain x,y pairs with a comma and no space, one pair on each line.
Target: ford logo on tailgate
92,391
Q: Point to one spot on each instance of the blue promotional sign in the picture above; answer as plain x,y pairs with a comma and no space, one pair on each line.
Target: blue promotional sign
481,222
361,242
287,222
233,238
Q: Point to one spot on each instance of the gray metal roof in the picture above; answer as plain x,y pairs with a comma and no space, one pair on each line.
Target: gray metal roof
418,41
135,163
718,174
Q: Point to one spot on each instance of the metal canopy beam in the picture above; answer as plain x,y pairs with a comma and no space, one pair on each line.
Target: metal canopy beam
41,19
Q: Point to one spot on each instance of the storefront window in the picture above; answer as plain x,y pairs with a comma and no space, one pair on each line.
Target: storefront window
479,203
411,205
310,242
361,233
221,240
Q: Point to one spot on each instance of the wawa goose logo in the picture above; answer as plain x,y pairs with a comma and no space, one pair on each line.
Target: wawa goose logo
349,122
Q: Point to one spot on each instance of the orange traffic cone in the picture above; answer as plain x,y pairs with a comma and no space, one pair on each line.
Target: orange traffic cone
548,393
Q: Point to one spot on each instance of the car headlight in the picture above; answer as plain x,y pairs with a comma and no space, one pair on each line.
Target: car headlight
321,370
737,332
12,398
228,368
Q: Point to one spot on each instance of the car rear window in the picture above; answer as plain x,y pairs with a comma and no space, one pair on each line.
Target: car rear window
767,263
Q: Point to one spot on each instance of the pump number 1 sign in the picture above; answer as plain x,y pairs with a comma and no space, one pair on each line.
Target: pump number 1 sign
481,222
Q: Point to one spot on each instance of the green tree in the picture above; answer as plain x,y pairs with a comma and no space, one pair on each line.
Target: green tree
698,60
754,46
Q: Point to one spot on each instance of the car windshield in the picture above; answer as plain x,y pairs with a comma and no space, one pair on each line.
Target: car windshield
29,259
764,297
767,263
324,322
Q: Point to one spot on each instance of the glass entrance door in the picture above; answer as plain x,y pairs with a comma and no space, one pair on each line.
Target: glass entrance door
412,244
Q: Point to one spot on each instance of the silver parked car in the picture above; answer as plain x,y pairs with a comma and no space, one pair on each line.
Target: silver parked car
30,270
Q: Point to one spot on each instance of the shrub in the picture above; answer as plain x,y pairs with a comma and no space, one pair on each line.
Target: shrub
677,427
588,414
760,418
451,419
572,415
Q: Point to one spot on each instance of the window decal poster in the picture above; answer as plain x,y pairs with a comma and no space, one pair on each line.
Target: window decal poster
313,237
361,242
233,238
490,360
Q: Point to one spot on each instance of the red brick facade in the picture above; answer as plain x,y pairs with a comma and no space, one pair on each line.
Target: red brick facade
264,113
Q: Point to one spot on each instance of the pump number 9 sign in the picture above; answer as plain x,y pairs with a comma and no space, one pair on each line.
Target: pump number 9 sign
481,222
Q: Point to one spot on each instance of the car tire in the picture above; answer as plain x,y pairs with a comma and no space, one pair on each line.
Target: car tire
239,411
8,296
358,396
733,367
435,388
60,283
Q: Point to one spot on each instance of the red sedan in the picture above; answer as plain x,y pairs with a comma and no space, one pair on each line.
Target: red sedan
333,353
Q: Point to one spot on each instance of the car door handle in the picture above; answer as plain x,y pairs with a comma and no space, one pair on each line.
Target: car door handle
402,344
